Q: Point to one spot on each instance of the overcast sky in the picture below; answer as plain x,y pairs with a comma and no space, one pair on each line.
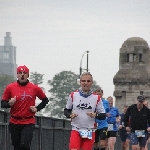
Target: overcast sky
52,35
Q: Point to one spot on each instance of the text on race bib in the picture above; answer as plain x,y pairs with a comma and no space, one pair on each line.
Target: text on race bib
140,133
86,133
110,127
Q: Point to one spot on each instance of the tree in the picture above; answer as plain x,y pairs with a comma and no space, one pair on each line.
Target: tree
36,78
4,81
95,86
61,85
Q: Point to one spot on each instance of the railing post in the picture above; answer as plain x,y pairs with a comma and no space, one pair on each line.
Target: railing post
53,125
6,129
39,119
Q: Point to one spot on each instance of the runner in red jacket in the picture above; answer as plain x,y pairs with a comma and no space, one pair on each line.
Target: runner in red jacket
20,97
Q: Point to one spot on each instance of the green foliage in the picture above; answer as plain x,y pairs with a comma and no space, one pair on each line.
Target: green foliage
95,86
4,81
62,84
36,78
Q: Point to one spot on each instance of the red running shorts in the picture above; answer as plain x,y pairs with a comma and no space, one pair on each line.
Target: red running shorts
76,142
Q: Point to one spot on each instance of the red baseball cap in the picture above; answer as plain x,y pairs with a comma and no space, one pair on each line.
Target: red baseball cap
23,69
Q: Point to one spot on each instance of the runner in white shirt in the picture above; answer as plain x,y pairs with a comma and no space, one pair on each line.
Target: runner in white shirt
82,107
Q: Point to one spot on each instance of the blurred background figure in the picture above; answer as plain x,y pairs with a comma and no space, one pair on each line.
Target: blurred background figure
112,127
124,136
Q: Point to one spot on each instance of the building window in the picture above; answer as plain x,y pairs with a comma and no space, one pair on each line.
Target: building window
134,57
130,86
6,61
6,55
123,93
130,57
140,57
141,92
127,57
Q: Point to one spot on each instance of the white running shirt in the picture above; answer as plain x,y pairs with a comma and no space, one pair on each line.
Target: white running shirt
80,106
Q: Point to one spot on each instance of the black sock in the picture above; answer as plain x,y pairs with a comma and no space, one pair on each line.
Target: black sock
102,148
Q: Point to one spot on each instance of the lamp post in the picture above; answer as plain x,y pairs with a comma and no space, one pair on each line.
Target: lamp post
81,69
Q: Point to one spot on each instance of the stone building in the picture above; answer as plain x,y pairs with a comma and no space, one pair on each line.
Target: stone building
8,57
133,77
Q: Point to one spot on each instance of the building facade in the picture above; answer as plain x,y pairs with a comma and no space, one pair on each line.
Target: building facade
8,57
133,77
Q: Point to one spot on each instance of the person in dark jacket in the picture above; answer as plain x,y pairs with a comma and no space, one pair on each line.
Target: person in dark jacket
135,120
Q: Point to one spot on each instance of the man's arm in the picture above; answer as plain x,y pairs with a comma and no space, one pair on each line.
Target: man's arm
101,115
44,100
126,117
107,107
118,114
148,117
118,117
5,98
5,104
42,104
67,112
68,109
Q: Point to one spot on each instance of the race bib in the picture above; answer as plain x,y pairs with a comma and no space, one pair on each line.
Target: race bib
86,133
110,127
140,133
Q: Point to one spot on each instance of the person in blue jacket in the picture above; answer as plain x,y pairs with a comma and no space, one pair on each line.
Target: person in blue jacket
102,125
112,124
